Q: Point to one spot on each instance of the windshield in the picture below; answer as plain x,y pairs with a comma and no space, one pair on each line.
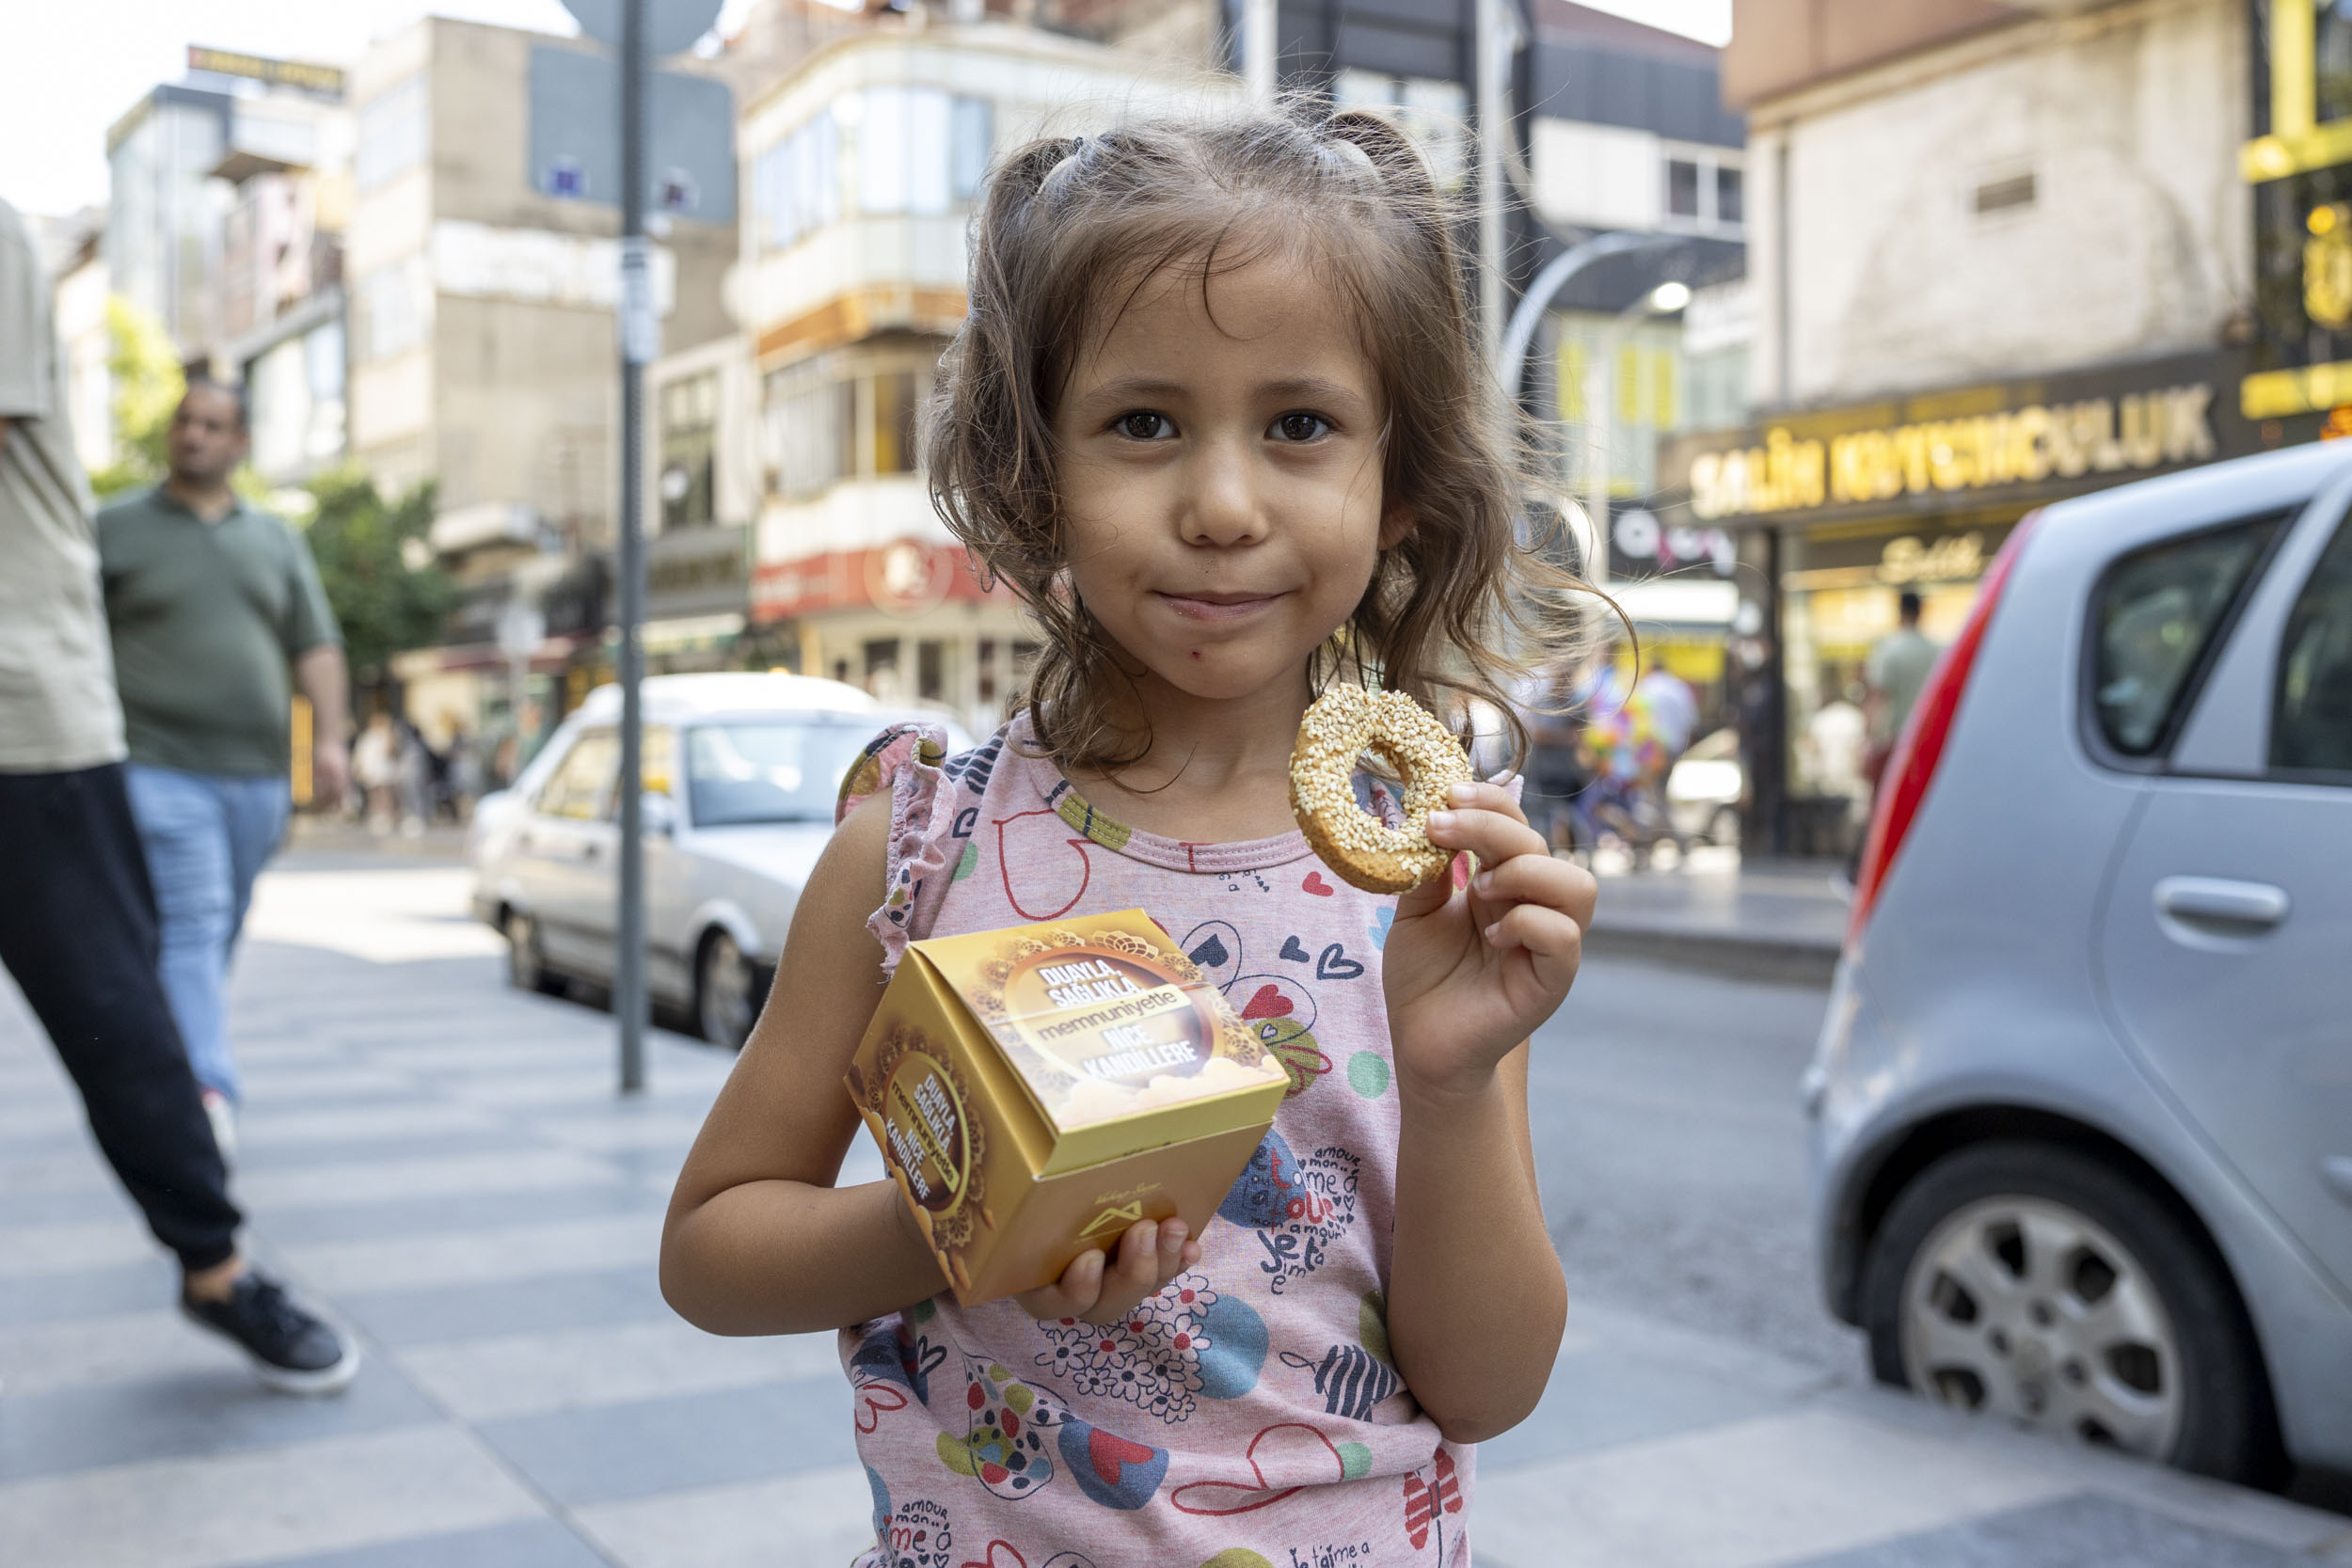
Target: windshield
768,771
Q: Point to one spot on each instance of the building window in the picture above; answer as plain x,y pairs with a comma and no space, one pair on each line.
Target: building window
877,152
1998,198
690,442
395,309
394,130
1730,194
1432,111
1706,191
824,423
1682,188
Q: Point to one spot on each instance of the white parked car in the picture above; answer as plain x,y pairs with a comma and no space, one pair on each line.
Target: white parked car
740,774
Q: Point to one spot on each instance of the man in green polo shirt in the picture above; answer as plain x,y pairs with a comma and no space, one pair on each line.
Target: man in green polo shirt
217,614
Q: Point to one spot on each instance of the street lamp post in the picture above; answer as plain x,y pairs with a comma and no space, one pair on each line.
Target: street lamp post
640,335
1601,378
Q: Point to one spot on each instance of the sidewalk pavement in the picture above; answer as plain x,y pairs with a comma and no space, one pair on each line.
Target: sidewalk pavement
1755,919
443,1163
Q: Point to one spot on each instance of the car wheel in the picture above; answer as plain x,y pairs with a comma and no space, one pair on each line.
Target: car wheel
2036,1283
726,996
527,957
1724,827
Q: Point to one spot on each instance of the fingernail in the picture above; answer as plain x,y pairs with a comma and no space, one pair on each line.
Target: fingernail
1462,794
1484,882
1441,821
1173,1233
1492,929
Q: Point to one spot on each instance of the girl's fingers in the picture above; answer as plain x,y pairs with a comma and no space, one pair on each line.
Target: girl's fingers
1480,796
1099,1288
1561,885
1553,942
1494,836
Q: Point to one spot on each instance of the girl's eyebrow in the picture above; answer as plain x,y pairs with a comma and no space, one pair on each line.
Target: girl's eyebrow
1309,388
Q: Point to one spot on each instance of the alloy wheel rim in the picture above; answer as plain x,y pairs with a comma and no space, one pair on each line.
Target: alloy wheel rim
2026,1309
726,992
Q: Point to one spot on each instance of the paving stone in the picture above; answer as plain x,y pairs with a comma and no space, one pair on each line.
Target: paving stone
243,1508
377,1180
215,1409
423,1216
653,1446
551,1303
90,1292
823,1516
2069,1533
475,1257
530,1374
533,1544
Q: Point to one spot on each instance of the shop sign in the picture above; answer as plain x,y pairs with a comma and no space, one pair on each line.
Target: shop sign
2102,435
907,578
1641,546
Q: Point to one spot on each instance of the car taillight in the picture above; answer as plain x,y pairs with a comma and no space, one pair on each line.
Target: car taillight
1920,747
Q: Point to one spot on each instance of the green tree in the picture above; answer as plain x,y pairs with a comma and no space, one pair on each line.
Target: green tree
376,563
148,384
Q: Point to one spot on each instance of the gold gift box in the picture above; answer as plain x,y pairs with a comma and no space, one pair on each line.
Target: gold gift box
1037,1090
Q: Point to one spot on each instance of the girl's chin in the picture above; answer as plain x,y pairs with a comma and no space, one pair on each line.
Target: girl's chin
1227,674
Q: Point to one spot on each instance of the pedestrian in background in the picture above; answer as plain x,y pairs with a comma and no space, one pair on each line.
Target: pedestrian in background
216,613
77,923
1893,677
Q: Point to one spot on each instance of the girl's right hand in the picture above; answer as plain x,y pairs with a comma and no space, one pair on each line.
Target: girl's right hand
1095,1290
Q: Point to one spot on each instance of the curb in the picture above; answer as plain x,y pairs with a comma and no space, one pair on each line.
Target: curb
1729,953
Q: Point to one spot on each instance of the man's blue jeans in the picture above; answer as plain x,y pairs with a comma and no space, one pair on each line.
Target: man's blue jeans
206,838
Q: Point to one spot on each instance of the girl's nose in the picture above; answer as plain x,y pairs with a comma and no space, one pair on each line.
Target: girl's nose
1224,508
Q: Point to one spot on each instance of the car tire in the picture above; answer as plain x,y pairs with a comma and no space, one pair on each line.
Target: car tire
2038,1282
527,957
726,992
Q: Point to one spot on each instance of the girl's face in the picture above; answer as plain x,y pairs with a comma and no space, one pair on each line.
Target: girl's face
1220,477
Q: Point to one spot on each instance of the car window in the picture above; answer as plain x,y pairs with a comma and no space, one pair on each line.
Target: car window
582,785
768,771
2154,618
2310,723
655,764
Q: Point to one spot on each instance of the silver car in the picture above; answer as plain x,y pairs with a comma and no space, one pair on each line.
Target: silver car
2082,1106
741,773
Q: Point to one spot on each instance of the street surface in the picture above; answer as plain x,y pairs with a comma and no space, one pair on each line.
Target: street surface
442,1164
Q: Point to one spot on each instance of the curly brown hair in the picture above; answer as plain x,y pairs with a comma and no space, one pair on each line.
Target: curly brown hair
1070,228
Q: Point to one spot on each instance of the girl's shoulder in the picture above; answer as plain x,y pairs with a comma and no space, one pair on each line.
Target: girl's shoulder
910,761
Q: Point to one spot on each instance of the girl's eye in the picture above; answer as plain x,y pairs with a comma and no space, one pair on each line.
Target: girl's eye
1300,427
1143,425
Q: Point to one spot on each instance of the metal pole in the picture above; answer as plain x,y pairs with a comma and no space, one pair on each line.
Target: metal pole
1497,40
1599,379
1511,365
1259,45
639,330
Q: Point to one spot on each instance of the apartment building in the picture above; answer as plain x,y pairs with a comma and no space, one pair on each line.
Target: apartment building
482,265
859,168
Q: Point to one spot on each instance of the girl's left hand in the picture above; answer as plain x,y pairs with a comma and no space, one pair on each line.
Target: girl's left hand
1470,971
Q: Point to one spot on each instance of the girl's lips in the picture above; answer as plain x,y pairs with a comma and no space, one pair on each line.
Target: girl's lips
1218,606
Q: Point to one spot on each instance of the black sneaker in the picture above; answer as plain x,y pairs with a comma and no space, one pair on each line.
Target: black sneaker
293,1351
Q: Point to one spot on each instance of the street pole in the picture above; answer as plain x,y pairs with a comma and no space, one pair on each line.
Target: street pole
1258,46
639,329
1497,39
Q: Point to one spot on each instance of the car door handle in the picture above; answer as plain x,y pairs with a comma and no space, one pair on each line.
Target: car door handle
590,849
2219,906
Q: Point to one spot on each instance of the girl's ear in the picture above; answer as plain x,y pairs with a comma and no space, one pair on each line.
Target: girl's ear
1397,523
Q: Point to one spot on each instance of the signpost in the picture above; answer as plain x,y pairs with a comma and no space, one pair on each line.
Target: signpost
642,26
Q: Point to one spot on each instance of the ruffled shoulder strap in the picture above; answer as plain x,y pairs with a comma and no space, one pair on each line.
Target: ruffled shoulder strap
907,760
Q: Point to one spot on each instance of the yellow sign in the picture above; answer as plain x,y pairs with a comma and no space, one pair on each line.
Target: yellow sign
2144,429
2328,266
326,80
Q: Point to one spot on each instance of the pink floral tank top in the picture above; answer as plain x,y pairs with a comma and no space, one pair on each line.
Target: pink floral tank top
1249,1415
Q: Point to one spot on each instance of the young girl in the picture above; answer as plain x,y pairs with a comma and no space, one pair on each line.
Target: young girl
1217,415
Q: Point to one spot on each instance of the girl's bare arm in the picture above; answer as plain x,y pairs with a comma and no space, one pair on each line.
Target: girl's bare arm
758,1239
1476,1299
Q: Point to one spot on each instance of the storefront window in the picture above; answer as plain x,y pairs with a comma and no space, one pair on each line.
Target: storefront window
1682,188
2334,61
894,422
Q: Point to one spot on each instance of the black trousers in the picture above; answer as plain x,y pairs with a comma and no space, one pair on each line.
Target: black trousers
77,931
